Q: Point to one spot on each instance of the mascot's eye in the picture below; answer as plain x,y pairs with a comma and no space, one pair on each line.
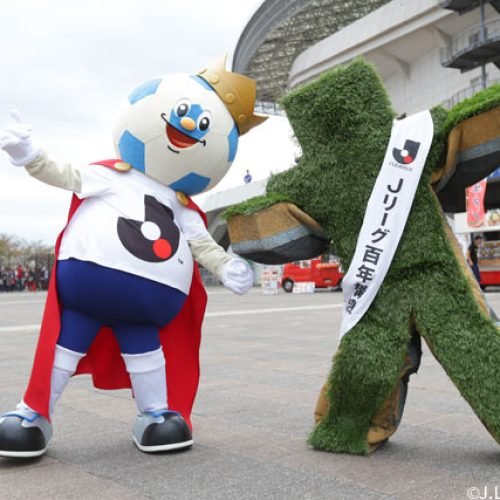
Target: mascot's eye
204,121
182,109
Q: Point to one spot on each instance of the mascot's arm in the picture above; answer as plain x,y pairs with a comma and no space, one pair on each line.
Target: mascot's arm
62,175
17,142
272,230
210,255
472,133
235,274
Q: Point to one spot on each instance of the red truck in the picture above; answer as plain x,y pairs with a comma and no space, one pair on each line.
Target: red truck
490,275
324,272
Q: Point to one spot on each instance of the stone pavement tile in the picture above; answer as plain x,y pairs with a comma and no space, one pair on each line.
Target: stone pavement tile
416,416
270,364
19,339
434,383
206,473
96,435
381,475
259,414
284,360
15,364
266,389
245,440
292,365
115,405
8,465
58,481
200,473
211,383
466,425
474,455
219,466
13,381
248,372
267,392
121,410
441,402
11,350
311,487
380,472
99,453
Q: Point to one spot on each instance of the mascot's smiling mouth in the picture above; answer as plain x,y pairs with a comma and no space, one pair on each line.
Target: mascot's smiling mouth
177,138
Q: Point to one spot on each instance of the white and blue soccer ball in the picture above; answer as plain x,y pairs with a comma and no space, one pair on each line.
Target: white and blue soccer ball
177,130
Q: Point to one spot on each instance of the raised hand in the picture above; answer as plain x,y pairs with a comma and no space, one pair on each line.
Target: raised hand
16,141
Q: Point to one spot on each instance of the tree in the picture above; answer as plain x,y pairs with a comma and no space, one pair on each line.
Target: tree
15,251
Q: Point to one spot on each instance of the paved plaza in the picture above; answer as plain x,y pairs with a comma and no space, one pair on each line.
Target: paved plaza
264,358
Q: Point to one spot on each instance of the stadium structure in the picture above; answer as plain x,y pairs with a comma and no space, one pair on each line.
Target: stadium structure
428,52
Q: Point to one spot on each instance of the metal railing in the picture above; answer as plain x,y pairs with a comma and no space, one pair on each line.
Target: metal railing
269,108
469,40
466,93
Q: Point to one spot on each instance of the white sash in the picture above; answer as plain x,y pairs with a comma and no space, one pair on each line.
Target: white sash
386,214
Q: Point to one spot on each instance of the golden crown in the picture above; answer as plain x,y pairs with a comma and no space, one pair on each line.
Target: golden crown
236,91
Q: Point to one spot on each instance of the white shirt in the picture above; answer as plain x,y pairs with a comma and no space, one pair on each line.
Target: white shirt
92,234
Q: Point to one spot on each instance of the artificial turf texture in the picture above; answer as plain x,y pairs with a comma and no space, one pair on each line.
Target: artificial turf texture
343,123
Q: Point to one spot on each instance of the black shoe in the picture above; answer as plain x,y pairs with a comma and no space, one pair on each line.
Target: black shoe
163,430
24,434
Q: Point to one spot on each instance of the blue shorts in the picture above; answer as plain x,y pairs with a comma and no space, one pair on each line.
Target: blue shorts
93,296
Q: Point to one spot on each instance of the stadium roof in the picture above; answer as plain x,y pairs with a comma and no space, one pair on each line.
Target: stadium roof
281,29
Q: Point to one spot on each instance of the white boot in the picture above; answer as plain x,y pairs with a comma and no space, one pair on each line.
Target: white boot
156,428
65,363
149,381
24,433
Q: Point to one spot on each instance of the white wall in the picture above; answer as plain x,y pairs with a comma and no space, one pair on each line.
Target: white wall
403,40
430,84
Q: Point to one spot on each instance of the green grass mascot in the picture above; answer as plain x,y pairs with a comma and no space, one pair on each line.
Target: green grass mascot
343,122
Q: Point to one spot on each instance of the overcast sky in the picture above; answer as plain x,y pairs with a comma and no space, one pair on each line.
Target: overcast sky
67,66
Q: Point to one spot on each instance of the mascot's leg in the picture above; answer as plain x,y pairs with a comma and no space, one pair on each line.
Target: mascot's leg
466,342
387,420
365,393
65,363
156,427
24,433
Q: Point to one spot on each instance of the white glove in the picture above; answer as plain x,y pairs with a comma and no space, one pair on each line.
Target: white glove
16,141
237,276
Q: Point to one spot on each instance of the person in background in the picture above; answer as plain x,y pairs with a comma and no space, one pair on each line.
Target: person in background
472,256
20,277
248,177
10,280
30,282
44,278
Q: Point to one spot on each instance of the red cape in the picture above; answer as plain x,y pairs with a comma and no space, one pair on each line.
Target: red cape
180,341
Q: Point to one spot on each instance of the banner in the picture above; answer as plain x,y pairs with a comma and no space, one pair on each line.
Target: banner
386,214
474,198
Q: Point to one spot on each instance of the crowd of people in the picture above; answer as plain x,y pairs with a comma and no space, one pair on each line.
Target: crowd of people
31,278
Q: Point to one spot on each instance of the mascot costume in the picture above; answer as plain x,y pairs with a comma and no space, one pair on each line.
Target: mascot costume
407,278
126,302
